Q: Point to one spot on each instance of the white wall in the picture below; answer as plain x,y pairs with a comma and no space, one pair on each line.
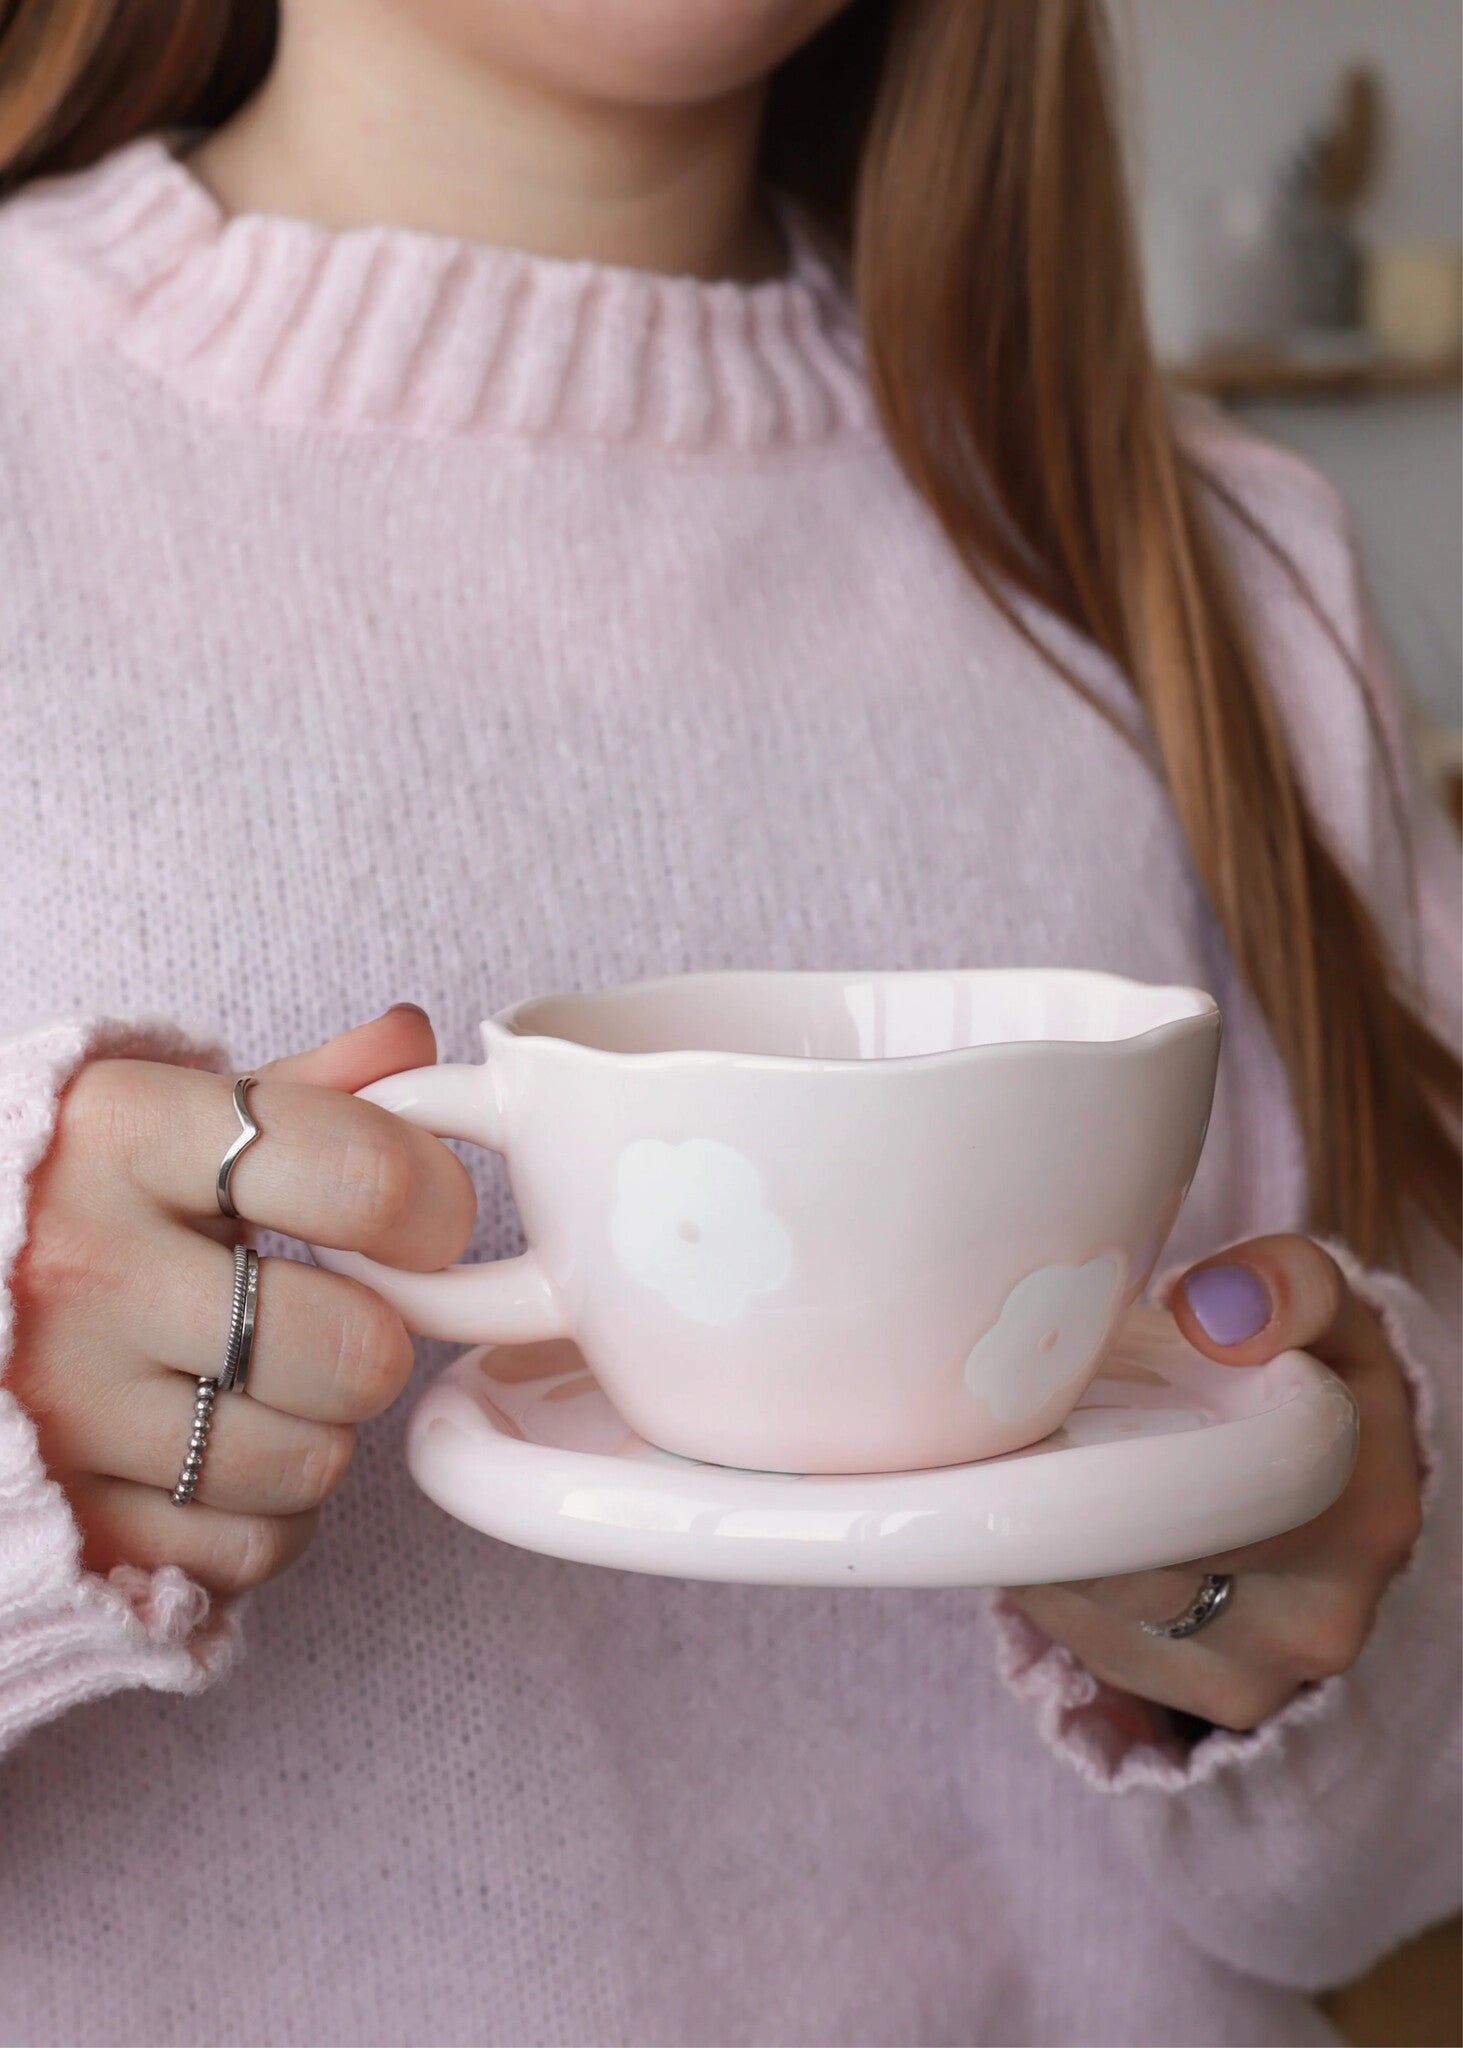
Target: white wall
1219,92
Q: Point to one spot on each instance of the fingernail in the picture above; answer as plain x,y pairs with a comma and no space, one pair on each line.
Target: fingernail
1231,1302
405,1006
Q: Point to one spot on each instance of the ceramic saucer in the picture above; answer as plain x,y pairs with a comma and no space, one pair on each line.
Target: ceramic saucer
1168,1457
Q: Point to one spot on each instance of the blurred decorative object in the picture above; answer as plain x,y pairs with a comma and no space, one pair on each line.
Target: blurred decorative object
1413,298
1286,373
1323,187
1441,751
1411,1999
1215,277
1348,153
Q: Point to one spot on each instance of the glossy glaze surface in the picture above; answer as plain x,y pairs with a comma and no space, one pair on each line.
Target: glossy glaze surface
1167,1457
826,1222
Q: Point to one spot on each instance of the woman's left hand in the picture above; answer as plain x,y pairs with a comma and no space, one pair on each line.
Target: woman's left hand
1302,1603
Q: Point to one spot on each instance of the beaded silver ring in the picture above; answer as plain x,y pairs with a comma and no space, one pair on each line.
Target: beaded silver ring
231,1379
198,1438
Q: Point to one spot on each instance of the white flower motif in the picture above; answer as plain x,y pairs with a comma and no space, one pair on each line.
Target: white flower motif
692,1222
1050,1329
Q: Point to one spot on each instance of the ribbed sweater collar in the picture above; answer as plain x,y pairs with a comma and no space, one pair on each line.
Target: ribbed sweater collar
397,331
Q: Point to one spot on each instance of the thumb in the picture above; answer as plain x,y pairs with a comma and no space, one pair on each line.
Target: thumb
1275,1294
400,1037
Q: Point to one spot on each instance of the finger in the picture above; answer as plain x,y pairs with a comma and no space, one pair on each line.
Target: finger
1242,1669
327,1167
257,1461
1360,1541
326,1348
1276,1294
400,1037
126,1524
1368,1532
1139,1596
1278,1631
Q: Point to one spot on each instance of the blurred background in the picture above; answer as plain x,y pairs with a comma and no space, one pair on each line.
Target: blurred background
1300,187
1300,168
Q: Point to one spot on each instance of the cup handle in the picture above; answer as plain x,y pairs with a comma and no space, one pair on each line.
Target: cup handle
498,1301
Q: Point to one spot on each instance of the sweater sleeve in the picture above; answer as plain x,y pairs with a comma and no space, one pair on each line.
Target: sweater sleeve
1302,1851
68,1634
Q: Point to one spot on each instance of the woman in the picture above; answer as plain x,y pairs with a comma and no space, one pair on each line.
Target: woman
462,537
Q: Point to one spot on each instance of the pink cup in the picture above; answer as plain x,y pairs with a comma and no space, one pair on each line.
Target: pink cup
825,1222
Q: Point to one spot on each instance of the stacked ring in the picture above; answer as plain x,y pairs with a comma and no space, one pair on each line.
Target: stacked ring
241,1324
234,1374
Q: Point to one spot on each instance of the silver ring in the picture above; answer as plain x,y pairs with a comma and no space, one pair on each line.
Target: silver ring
248,1132
197,1441
235,1373
1207,1605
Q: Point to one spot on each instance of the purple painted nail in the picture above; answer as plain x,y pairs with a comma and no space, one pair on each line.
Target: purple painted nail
1231,1302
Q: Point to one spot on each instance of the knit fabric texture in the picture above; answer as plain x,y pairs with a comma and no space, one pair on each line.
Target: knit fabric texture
393,617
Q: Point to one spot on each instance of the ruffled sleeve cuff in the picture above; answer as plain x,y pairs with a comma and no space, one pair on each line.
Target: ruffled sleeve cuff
1117,1743
67,1634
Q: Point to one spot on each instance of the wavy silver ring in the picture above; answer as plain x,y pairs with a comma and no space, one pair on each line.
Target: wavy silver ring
249,1131
1207,1605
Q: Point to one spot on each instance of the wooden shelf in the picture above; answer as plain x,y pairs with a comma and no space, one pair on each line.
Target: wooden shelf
1277,375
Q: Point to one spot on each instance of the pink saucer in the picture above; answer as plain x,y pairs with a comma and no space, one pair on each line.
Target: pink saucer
1167,1458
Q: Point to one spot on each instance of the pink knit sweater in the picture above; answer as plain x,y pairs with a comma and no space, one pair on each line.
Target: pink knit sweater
390,617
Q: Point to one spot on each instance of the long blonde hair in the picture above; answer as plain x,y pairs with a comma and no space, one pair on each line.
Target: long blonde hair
963,152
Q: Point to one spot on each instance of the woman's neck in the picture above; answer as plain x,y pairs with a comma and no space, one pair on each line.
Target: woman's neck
364,120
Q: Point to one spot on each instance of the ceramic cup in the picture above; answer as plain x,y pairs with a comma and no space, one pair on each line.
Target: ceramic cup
825,1222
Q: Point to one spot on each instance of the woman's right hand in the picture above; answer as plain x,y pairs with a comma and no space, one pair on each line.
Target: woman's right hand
124,1289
